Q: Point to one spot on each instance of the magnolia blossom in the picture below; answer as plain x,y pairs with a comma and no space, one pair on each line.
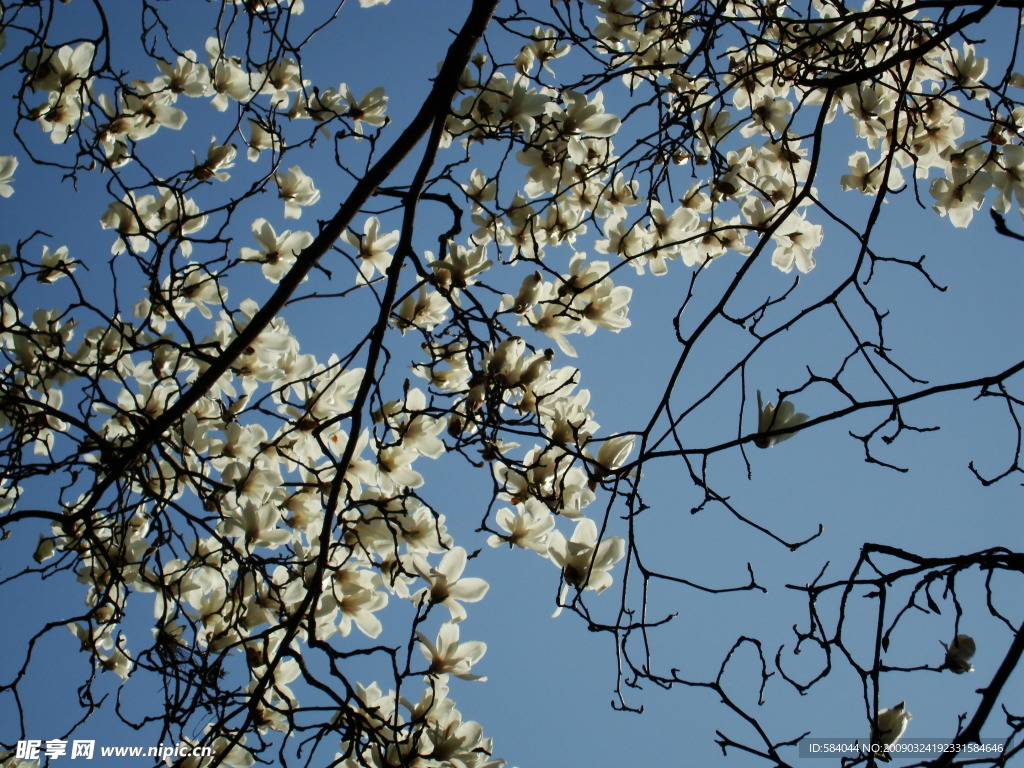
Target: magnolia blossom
394,468
448,738
511,102
772,417
447,587
424,533
586,563
867,178
297,191
796,239
59,115
228,80
423,309
612,454
618,196
373,248
629,241
543,47
458,269
278,80
588,117
968,70
219,158
770,116
110,655
55,71
480,188
959,654
276,252
55,265
8,164
118,661
186,76
417,431
253,523
889,728
142,116
605,305
369,110
527,526
179,217
447,656
960,194
356,595
1008,178
331,102
132,218
261,137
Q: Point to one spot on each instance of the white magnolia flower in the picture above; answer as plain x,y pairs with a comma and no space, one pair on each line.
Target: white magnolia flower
59,116
277,252
959,654
889,728
772,417
480,188
8,164
373,248
331,102
254,524
54,265
142,116
588,117
796,241
369,110
133,218
968,69
770,116
423,309
394,468
585,562
44,550
219,158
448,656
297,191
118,661
228,79
960,194
612,454
447,586
56,71
866,178
278,79
543,47
356,595
527,526
185,76
461,265
261,137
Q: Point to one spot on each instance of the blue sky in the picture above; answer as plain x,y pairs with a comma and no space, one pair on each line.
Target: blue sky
546,701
